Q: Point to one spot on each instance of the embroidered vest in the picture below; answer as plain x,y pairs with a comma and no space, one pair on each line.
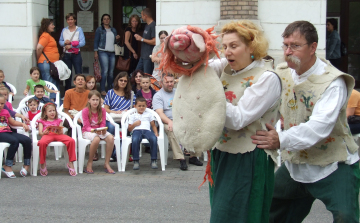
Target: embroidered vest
297,104
239,141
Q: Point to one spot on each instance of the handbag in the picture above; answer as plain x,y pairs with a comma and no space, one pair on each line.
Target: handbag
53,70
97,73
122,64
119,50
63,54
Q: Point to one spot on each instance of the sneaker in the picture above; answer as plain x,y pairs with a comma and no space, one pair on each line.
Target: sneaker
183,165
194,160
154,164
136,165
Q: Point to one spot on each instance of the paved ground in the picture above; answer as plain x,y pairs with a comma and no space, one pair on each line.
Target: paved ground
132,196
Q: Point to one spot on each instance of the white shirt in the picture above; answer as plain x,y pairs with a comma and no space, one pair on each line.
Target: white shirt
319,126
145,118
67,36
257,99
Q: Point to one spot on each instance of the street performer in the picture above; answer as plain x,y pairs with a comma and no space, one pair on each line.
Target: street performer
321,159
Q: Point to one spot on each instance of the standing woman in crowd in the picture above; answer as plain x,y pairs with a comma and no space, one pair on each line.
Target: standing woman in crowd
243,175
72,38
105,38
157,58
333,43
47,45
132,47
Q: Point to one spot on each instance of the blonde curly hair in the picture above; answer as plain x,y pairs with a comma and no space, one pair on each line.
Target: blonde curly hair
250,34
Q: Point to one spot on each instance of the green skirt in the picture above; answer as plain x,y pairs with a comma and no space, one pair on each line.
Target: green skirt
243,186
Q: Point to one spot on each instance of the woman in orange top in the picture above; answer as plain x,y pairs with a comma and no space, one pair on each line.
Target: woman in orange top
353,112
47,45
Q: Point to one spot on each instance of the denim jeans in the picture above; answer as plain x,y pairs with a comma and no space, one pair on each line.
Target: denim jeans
107,64
137,136
45,75
145,65
14,139
72,59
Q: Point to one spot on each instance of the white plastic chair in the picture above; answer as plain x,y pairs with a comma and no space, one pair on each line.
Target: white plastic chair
35,156
3,149
13,89
126,140
23,101
83,143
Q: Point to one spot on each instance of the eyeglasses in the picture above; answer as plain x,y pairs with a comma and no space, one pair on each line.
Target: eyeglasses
293,47
123,81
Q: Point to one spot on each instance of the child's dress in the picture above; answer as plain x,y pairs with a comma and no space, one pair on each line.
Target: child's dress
92,124
51,137
30,115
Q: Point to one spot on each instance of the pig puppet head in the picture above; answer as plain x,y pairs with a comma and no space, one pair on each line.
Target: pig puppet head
188,44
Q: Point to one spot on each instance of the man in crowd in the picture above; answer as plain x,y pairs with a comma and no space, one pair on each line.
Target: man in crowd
321,159
76,98
162,104
147,42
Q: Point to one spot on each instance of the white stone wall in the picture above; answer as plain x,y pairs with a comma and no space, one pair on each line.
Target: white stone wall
19,26
275,15
172,14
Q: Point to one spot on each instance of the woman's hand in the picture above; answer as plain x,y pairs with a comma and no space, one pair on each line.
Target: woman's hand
96,56
67,47
67,42
135,56
117,37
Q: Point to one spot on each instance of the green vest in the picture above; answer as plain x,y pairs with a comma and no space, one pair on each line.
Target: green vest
239,141
297,104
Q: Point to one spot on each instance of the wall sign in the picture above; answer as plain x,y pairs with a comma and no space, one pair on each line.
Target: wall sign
85,20
85,4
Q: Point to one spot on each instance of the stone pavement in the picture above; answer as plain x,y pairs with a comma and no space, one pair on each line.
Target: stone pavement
133,196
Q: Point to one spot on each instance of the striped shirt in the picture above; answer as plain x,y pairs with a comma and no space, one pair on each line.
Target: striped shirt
116,102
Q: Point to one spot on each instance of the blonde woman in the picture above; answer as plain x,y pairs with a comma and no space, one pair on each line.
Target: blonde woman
243,175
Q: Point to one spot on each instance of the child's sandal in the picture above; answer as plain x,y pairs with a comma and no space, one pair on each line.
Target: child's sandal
23,172
43,172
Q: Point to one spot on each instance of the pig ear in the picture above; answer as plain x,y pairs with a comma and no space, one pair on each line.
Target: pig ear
199,42
166,41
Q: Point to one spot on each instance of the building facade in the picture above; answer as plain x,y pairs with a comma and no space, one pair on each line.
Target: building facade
20,21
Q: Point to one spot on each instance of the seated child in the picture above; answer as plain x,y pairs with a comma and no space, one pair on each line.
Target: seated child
6,135
3,83
35,80
94,116
146,91
139,124
39,91
32,104
49,118
5,92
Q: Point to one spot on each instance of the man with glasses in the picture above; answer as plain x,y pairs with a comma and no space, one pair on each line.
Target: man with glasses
147,42
321,159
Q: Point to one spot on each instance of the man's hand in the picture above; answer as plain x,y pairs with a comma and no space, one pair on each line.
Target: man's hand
266,139
170,126
138,37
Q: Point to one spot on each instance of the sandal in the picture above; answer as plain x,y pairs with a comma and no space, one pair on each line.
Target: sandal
43,172
23,171
72,171
8,174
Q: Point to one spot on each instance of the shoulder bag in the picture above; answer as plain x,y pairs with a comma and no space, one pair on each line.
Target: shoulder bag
124,64
53,70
